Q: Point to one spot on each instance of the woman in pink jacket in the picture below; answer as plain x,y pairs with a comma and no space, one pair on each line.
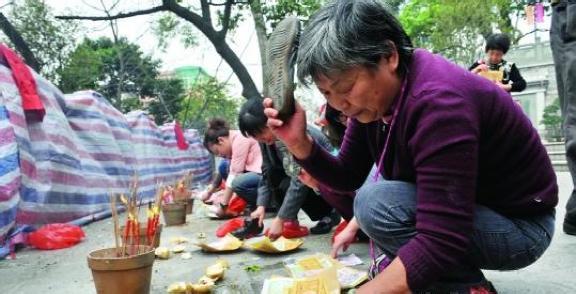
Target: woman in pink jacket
245,162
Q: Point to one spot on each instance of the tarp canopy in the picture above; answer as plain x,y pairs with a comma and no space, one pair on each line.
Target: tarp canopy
65,167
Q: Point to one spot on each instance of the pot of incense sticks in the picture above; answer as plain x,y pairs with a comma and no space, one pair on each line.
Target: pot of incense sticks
174,213
127,273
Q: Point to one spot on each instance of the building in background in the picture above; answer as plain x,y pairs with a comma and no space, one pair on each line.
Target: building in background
536,65
190,75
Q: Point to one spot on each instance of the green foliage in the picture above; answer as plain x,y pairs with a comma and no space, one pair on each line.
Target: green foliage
110,68
276,12
130,103
83,69
456,28
207,99
551,117
254,268
167,27
169,94
49,39
552,121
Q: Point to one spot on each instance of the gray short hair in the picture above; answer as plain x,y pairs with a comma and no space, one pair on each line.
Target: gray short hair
347,33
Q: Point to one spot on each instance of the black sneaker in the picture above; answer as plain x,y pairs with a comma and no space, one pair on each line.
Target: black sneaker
322,227
335,218
281,59
249,230
569,227
325,225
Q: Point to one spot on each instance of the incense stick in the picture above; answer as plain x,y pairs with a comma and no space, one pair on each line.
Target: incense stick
115,221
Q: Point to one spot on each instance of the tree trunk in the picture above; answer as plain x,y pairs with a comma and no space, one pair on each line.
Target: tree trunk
19,43
260,26
249,89
219,42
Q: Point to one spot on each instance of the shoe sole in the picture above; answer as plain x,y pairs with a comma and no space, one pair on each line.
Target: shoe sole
281,59
569,228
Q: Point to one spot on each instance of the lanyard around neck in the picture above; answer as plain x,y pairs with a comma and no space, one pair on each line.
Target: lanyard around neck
399,102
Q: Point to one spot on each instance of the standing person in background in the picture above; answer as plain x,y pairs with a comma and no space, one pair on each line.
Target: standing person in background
505,74
563,43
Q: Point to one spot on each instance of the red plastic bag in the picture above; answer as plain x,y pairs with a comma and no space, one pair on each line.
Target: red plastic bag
56,236
229,226
236,205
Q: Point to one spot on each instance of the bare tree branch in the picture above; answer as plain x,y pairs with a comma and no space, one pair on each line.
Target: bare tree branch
120,55
90,5
226,3
226,19
207,28
206,10
19,42
260,25
114,5
117,16
530,32
249,88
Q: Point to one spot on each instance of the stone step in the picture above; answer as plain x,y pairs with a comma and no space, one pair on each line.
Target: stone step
560,165
557,155
555,147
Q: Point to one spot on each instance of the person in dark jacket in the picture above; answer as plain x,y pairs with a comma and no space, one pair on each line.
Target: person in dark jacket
280,179
505,74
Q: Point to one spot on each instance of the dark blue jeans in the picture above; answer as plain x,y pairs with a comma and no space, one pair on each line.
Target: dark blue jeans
246,187
386,212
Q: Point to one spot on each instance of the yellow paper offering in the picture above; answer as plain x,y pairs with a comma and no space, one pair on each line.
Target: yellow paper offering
308,266
313,265
228,243
351,278
323,283
263,244
493,75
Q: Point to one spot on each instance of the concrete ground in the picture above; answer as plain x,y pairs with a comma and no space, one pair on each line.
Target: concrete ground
66,271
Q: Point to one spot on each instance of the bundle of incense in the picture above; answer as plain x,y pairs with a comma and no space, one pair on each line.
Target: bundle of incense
155,214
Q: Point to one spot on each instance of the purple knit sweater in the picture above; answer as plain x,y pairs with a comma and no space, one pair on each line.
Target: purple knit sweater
463,142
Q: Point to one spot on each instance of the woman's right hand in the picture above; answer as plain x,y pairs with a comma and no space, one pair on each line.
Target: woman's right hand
344,239
205,196
292,132
259,214
480,67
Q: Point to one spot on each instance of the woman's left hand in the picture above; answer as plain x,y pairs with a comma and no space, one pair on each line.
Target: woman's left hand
308,180
505,87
